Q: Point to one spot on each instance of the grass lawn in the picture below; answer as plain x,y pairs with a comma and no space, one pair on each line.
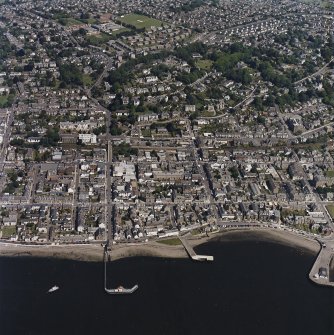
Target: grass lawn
146,132
204,64
120,31
3,99
69,21
196,232
207,113
8,231
330,173
98,39
90,21
87,79
139,21
171,241
330,209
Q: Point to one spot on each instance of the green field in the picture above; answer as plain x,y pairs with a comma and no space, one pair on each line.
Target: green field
69,21
3,99
330,209
98,39
90,21
146,132
171,241
330,173
6,100
139,21
8,231
204,64
87,80
120,31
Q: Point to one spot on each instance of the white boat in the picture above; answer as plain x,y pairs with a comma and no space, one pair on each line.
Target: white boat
54,288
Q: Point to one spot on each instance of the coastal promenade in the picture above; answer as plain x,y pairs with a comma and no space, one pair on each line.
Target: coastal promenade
322,271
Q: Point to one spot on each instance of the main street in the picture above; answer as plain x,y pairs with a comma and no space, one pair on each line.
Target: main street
205,177
109,156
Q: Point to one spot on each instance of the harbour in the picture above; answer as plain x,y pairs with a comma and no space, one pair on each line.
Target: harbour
252,286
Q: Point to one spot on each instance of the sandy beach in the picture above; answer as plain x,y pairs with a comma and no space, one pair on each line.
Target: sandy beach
263,235
155,249
93,252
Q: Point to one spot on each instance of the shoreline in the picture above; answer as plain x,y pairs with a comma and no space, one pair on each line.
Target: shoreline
88,253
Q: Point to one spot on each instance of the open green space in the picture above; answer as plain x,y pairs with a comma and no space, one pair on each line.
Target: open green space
146,132
98,39
6,100
8,231
330,209
87,79
196,232
208,113
139,21
204,64
68,21
170,241
3,99
330,173
120,31
90,21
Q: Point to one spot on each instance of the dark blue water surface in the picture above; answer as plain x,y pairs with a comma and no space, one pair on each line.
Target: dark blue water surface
250,288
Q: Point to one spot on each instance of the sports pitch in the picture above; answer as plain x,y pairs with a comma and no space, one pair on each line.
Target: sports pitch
139,21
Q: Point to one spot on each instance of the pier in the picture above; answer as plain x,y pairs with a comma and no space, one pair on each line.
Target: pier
119,290
191,252
323,266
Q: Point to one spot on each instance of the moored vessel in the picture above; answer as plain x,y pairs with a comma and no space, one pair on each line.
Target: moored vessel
53,288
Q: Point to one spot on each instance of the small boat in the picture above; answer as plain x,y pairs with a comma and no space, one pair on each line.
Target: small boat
54,288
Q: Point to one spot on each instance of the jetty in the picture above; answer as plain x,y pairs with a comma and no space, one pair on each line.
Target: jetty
323,268
191,252
119,290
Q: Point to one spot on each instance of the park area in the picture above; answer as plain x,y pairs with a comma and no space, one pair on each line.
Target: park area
6,100
204,64
68,21
98,39
138,21
8,231
330,173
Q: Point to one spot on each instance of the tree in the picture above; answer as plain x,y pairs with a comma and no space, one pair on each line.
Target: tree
257,102
261,120
82,31
20,53
29,67
84,16
234,172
